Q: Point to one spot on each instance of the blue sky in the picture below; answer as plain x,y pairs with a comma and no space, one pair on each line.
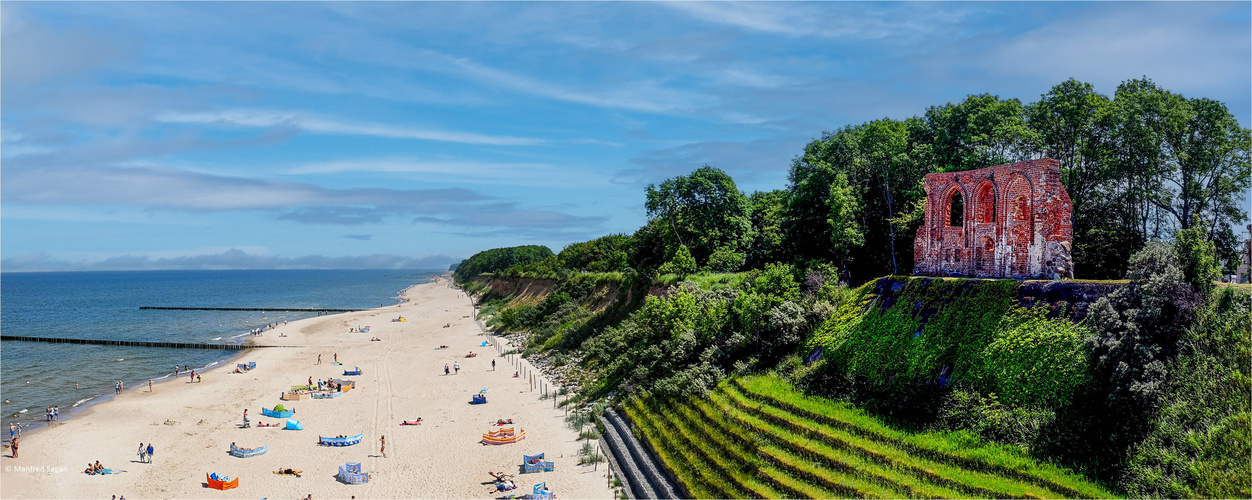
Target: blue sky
411,135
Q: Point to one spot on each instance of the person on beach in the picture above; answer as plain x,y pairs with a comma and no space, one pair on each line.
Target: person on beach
143,454
493,365
199,378
149,452
382,445
175,371
56,414
14,447
319,359
336,357
75,387
246,422
457,367
149,385
311,381
12,431
445,369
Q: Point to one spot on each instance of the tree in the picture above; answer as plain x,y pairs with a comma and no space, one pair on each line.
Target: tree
979,132
703,211
768,235
845,233
682,264
889,156
1198,259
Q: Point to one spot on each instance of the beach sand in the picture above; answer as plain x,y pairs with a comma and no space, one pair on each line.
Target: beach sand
192,426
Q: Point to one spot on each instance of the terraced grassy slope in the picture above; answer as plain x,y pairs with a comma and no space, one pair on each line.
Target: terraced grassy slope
758,437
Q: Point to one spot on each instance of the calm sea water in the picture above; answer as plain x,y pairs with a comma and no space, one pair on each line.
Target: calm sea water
105,305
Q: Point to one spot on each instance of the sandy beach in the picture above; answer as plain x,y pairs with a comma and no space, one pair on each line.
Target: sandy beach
192,425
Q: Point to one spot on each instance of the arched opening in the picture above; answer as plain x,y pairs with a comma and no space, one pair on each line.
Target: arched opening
986,208
956,210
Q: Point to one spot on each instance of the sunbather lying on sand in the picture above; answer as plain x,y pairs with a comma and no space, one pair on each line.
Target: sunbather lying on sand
504,422
289,472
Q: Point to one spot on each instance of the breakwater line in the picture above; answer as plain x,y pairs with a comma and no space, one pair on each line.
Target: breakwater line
137,343
279,309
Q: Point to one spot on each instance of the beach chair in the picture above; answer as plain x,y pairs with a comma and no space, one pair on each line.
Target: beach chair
541,492
479,399
343,441
221,482
350,473
357,371
248,452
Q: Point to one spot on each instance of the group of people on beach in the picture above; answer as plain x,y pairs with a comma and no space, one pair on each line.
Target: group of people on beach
145,453
118,387
93,468
53,413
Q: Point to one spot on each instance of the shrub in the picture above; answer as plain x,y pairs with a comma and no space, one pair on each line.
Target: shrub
1036,361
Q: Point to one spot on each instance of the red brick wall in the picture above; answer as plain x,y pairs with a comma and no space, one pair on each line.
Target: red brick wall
1020,210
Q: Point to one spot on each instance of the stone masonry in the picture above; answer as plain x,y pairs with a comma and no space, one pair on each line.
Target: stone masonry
1011,220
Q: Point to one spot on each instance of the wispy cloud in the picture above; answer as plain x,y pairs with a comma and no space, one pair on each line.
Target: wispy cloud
362,237
457,170
321,125
229,259
828,20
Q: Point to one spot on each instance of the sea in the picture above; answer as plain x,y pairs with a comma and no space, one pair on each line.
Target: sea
106,305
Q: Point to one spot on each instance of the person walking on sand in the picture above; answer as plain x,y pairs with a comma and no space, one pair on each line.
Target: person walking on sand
319,359
456,366
14,447
382,445
149,452
143,454
149,385
445,369
336,357
493,365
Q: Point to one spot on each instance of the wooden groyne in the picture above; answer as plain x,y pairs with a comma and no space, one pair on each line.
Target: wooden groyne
140,343
289,309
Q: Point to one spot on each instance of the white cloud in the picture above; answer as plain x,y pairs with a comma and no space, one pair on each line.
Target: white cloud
458,170
322,125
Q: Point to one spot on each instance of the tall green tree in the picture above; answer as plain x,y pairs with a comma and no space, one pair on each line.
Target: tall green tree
845,233
893,162
981,131
704,211
768,234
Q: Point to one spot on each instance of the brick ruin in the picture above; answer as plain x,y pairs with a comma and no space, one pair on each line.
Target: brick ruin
1006,221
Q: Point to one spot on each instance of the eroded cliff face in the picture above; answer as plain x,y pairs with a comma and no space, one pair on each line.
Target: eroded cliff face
531,291
1070,299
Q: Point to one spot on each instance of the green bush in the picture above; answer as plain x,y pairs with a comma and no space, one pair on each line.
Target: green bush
1036,361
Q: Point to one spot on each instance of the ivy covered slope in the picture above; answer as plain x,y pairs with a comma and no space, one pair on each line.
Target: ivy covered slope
1137,386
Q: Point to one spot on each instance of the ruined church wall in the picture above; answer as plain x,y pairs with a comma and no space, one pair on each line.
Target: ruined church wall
1014,220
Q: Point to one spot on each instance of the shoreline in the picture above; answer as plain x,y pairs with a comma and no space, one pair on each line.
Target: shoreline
192,424
82,405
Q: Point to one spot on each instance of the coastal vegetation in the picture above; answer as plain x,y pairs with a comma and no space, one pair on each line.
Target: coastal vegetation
766,345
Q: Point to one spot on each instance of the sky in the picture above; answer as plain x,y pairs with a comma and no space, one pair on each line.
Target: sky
411,135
